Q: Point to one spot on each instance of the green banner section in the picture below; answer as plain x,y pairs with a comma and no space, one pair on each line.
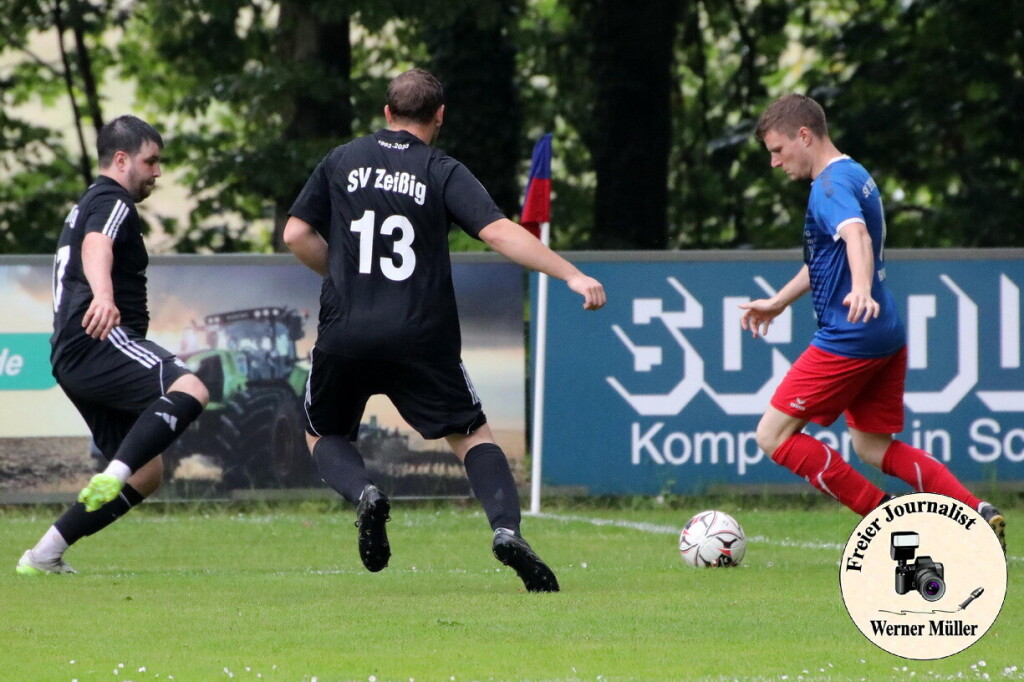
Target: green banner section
25,362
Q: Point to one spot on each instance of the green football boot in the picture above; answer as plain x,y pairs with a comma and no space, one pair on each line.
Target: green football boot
101,489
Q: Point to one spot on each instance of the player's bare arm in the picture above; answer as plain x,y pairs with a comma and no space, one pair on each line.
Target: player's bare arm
307,245
519,246
758,315
97,261
862,270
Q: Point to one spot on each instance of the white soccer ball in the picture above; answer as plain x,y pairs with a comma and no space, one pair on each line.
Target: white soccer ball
712,538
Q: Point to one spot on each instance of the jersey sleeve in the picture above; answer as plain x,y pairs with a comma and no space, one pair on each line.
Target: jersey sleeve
467,203
313,205
108,214
835,205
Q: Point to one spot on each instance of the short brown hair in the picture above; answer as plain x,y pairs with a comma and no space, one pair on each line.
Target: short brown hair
791,113
415,95
124,134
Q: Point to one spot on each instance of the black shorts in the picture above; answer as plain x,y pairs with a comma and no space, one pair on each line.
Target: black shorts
111,382
436,400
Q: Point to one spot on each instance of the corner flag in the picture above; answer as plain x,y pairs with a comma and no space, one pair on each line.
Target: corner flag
536,218
537,204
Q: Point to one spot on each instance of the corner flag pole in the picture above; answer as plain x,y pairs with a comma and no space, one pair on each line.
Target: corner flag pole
536,218
541,320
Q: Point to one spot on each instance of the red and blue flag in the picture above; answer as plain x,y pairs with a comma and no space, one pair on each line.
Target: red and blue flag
537,204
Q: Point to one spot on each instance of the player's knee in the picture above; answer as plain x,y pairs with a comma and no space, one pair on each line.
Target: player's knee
870,447
194,386
311,441
768,438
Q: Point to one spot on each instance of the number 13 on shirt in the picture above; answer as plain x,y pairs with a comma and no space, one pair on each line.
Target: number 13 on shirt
400,265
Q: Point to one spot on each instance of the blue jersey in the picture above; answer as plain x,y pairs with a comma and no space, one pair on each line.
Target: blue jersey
841,194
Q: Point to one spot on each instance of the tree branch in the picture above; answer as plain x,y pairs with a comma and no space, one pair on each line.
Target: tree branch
85,165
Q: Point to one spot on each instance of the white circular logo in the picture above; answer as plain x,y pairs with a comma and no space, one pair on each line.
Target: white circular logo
923,576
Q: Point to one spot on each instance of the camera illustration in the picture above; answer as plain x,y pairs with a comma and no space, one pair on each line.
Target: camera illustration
923,575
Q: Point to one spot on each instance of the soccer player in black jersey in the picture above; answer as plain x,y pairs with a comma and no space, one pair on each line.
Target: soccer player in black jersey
373,219
135,397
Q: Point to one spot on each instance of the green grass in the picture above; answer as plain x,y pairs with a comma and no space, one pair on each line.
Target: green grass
212,593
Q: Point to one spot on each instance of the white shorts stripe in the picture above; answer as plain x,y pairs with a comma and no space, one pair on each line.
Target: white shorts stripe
144,357
469,384
309,397
117,216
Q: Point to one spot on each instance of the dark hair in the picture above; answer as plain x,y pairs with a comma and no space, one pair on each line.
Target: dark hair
415,95
124,134
791,113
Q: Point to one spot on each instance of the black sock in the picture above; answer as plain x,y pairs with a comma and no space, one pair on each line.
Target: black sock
76,523
157,427
341,466
492,483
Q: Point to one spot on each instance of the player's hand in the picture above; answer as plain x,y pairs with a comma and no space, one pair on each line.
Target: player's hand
862,307
758,315
590,289
100,318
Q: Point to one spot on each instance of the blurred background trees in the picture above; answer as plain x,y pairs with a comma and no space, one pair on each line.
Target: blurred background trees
652,104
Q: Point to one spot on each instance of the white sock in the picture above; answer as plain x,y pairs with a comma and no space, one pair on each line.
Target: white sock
118,470
51,546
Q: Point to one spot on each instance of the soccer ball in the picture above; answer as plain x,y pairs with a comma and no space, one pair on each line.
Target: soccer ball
712,538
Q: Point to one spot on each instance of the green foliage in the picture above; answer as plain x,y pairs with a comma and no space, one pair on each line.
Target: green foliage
252,93
41,177
931,97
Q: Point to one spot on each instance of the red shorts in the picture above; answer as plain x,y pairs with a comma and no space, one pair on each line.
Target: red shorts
820,386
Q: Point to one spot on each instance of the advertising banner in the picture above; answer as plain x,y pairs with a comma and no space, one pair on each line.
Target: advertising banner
246,326
661,390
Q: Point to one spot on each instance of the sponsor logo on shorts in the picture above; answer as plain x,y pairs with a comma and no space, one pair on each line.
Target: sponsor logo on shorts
799,404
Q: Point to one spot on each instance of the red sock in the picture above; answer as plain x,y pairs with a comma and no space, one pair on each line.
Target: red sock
825,469
924,473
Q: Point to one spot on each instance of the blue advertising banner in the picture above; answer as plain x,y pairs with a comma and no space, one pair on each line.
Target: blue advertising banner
661,390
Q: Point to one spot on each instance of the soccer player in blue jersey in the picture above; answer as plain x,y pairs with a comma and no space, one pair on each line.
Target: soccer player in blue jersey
857,361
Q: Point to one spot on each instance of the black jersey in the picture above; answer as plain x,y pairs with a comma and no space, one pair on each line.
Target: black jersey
384,204
107,208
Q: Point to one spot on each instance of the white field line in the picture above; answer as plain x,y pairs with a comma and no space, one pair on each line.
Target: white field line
657,529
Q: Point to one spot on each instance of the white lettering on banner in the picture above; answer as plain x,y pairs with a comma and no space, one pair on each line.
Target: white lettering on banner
10,364
780,331
645,311
1009,316
1009,348
987,432
922,310
937,442
752,403
944,401
678,448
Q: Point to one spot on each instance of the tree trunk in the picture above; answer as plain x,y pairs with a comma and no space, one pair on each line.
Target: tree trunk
320,117
92,96
84,159
475,61
631,69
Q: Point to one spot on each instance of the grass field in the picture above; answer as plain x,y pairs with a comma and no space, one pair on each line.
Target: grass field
215,593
